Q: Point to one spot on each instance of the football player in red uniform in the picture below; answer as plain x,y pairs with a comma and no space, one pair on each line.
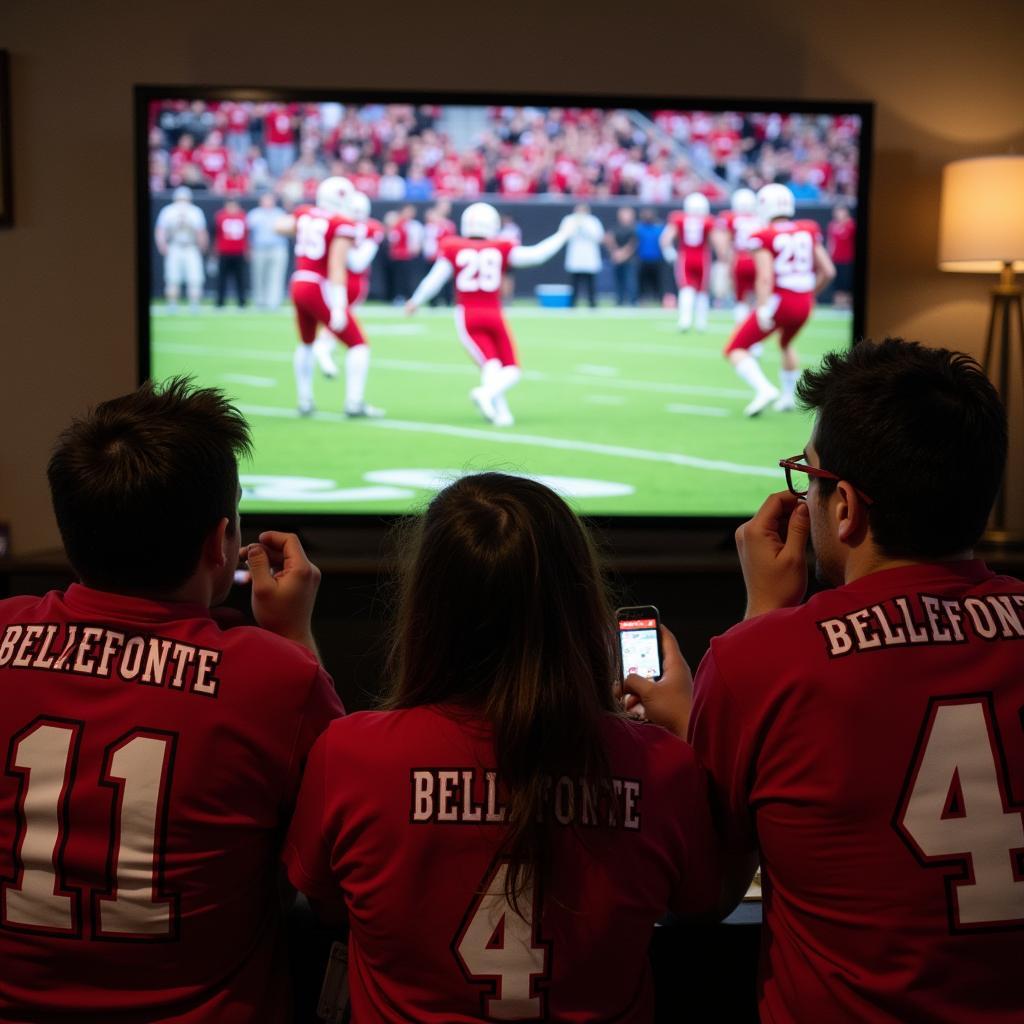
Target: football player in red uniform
686,243
152,756
324,238
735,228
478,260
369,236
791,267
501,841
868,743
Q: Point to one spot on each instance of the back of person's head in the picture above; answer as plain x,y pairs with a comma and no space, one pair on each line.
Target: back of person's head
504,611
139,483
921,431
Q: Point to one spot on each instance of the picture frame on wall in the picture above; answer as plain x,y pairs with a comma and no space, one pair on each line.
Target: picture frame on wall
6,192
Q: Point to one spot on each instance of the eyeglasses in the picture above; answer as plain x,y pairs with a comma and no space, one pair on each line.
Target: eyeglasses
797,463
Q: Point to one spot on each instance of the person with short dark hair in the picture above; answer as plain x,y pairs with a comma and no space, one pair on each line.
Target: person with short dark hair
501,839
152,757
621,242
867,744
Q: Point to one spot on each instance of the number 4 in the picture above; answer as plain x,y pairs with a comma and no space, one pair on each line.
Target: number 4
957,811
498,947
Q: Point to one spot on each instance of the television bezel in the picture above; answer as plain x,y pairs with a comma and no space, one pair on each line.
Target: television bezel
609,524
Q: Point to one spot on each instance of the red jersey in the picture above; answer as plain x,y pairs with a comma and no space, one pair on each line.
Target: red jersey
479,264
416,857
434,233
358,281
315,229
791,243
212,159
514,182
881,772
403,238
723,144
279,127
152,760
692,231
368,183
841,235
741,228
232,233
231,183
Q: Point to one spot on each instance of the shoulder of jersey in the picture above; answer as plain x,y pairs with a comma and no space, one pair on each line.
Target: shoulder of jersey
261,647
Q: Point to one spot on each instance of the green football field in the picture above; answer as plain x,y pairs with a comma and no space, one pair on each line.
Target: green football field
616,409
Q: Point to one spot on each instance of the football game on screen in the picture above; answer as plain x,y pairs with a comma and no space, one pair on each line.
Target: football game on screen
618,302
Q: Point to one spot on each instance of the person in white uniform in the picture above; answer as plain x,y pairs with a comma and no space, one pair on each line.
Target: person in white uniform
182,238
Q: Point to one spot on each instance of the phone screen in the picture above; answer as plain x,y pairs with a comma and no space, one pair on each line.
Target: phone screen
638,639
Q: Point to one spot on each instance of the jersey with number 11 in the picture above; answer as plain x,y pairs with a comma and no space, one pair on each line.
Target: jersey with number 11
479,265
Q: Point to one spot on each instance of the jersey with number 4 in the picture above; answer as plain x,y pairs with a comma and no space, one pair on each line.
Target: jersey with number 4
150,762
871,742
791,243
315,230
402,815
478,264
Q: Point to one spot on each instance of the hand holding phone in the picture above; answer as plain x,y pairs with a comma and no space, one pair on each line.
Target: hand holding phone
668,701
640,641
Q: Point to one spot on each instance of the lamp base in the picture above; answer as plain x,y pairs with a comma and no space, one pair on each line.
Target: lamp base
1003,540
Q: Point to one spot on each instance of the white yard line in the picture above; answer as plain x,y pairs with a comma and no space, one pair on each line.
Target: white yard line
530,440
462,370
255,382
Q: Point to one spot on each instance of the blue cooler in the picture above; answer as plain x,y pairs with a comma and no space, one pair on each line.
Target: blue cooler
554,296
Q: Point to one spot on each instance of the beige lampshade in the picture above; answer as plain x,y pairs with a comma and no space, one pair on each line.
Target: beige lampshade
981,226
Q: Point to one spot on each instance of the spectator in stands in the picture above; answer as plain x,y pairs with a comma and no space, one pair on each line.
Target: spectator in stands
153,756
621,243
583,252
279,135
506,801
268,253
868,744
649,260
800,184
392,184
842,232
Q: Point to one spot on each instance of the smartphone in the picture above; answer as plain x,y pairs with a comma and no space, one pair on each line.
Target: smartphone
640,641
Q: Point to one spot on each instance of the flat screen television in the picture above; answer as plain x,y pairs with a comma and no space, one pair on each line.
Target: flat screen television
597,364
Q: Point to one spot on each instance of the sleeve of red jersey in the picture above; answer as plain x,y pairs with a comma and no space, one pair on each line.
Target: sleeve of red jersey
701,879
322,706
306,854
722,740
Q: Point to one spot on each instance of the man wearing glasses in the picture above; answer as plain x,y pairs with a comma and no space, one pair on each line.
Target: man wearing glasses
868,745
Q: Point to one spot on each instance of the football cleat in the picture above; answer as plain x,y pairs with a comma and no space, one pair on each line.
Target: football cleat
483,401
784,404
504,418
761,402
363,411
306,408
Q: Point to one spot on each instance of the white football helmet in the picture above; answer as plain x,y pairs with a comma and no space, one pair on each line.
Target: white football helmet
775,201
357,206
480,220
697,204
332,193
744,201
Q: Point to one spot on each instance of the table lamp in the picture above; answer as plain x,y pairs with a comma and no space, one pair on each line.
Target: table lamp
981,231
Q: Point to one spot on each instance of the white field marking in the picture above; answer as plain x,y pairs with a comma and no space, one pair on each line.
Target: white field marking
255,382
604,399
696,410
263,487
435,479
462,370
593,370
530,440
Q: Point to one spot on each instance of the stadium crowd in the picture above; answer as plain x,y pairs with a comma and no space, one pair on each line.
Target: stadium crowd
404,152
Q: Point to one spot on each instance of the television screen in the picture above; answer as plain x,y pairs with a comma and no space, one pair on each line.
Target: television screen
614,297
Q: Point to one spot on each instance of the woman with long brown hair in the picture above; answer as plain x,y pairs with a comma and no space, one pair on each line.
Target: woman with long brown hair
500,838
